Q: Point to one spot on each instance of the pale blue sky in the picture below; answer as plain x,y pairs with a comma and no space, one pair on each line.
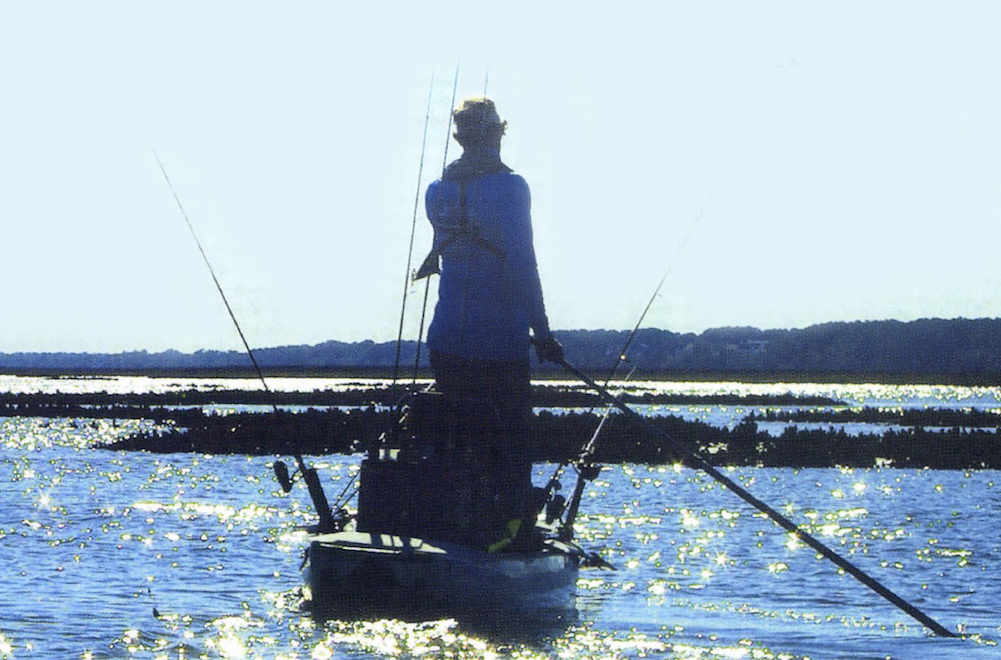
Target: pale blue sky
847,157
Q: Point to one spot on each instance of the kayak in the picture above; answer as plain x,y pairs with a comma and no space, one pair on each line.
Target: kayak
435,534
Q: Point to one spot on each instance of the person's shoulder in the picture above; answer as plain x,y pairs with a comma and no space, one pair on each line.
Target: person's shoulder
434,189
511,181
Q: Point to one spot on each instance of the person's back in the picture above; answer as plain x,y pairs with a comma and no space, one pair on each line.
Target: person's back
489,299
489,295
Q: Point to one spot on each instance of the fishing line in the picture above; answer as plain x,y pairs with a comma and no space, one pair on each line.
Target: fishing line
309,474
427,283
413,231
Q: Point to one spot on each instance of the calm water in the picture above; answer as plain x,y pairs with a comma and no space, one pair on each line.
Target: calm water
92,542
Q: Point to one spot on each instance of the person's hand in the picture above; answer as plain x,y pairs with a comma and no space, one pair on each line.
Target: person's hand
549,349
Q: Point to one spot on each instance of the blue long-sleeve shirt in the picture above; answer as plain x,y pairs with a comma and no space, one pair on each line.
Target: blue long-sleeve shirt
489,295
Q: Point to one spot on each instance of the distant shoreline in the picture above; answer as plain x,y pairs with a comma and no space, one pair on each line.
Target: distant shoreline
925,351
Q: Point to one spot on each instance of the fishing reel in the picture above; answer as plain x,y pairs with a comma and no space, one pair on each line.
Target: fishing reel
282,474
589,471
287,480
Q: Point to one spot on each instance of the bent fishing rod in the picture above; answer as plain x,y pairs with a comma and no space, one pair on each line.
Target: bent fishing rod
313,485
697,461
622,357
585,469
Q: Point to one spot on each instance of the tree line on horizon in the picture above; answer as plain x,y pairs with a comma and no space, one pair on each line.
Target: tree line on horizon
949,347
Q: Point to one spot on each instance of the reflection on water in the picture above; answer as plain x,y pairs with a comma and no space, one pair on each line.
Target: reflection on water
112,555
857,394
156,385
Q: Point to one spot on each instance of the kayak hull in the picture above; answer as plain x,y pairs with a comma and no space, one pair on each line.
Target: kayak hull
353,573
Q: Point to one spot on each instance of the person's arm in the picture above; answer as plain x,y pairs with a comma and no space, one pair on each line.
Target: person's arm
431,265
528,281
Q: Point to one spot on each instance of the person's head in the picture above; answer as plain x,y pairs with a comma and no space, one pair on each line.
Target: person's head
477,123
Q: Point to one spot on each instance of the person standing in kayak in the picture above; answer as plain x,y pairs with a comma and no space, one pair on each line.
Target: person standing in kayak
490,308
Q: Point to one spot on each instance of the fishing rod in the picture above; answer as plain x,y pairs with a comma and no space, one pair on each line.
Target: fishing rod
427,283
698,462
315,488
622,357
586,471
413,231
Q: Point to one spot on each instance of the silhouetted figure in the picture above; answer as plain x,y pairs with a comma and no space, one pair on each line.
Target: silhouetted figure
490,307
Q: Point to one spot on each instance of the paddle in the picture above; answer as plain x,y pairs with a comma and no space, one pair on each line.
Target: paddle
697,461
